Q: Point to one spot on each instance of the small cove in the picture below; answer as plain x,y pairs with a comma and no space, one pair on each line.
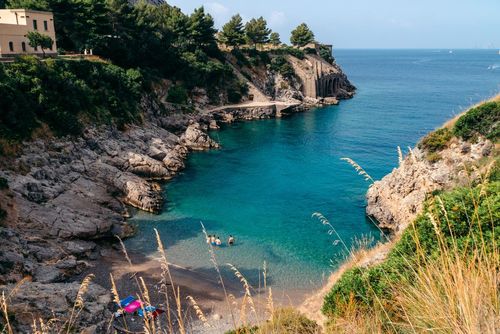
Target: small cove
269,176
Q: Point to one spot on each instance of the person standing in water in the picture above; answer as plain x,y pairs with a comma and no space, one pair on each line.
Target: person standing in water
212,240
230,241
209,238
218,242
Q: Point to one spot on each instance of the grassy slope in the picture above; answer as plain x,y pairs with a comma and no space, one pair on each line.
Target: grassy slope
455,227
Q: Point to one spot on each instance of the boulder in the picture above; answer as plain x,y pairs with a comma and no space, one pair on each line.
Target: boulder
34,300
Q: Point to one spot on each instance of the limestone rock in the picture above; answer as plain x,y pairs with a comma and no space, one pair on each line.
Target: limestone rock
197,140
398,198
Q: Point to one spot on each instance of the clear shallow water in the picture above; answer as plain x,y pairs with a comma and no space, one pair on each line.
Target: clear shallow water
269,176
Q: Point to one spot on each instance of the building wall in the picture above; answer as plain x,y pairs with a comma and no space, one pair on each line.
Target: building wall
15,25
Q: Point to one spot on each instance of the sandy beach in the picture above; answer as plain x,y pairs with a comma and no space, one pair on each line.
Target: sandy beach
203,285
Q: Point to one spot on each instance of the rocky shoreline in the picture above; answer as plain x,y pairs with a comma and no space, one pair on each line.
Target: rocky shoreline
67,198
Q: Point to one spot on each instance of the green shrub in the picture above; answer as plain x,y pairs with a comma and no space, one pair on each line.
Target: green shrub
495,171
280,65
297,53
326,53
64,94
482,120
373,285
288,50
177,94
436,140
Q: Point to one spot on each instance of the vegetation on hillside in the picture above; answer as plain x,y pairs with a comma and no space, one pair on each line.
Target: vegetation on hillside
442,273
64,95
482,120
436,140
140,44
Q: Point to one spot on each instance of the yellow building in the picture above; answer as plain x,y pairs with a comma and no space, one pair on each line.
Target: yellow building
15,25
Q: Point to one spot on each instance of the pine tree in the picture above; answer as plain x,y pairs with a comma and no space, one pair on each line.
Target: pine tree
302,35
257,32
201,29
274,38
233,33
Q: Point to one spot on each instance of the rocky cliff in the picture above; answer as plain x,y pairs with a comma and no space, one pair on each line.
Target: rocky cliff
397,199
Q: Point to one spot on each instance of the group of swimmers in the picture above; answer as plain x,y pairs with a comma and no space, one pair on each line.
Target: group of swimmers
215,241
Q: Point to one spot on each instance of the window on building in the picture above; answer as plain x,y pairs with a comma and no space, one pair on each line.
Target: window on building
23,46
11,47
35,25
45,25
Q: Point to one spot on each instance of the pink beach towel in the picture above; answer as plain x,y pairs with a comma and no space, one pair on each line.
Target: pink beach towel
133,306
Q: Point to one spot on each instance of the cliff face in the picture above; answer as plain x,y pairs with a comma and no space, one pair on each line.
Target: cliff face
397,199
311,80
321,79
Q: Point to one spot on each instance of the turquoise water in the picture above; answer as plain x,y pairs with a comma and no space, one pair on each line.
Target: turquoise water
269,176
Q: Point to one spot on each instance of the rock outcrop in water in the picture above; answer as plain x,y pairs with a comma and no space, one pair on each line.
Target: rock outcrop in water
398,198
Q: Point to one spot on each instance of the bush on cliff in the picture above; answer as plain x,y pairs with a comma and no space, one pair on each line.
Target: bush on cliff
65,95
482,120
436,140
459,228
282,66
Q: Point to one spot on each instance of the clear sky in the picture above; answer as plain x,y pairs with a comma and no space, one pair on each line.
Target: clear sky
372,23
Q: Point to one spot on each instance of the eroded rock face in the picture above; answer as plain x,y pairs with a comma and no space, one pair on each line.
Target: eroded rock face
398,198
33,300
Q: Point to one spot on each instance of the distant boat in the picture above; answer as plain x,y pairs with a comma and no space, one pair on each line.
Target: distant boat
451,51
498,52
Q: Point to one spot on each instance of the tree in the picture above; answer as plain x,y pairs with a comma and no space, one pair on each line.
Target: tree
256,31
274,38
202,31
39,40
233,33
302,35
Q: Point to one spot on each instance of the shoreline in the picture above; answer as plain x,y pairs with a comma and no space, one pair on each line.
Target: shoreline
203,287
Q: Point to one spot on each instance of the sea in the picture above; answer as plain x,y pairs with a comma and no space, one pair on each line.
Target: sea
270,176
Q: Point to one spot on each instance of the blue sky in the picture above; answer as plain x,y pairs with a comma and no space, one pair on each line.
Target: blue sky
372,23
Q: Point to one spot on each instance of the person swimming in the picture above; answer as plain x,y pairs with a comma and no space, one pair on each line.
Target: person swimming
230,241
208,239
218,242
212,240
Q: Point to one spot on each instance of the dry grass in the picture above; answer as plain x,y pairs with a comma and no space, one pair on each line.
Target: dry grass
454,291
